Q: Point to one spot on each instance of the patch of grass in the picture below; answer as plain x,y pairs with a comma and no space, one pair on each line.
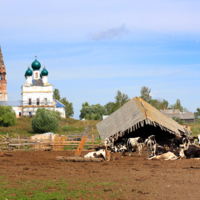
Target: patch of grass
52,189
23,127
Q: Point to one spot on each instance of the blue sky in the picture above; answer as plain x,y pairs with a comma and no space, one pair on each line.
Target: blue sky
94,48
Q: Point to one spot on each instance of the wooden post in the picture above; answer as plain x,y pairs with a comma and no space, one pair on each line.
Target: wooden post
107,154
92,141
7,139
18,137
72,145
84,138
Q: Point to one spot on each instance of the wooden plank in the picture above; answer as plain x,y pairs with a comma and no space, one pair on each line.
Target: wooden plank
79,159
80,147
24,144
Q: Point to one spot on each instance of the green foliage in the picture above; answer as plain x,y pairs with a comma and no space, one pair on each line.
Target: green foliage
66,128
145,94
7,116
197,114
93,112
69,110
46,121
56,94
120,100
177,105
177,119
159,104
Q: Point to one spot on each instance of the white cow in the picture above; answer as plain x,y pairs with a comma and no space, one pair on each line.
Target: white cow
168,156
96,154
136,142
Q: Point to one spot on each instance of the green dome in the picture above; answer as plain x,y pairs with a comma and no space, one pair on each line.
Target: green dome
44,72
28,72
36,64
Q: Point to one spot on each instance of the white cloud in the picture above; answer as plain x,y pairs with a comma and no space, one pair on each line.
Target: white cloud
111,33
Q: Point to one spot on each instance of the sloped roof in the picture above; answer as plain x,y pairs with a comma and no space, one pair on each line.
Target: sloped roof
16,103
59,104
133,115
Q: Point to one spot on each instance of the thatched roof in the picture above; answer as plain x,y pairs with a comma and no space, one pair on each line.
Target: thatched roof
135,114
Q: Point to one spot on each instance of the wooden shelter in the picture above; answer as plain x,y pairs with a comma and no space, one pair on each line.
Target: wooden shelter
138,118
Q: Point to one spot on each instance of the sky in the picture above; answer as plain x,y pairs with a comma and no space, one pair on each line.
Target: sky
92,49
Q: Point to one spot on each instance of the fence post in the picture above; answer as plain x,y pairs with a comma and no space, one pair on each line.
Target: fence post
72,145
18,137
92,141
7,139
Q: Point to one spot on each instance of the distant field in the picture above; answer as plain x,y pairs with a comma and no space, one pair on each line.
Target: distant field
23,127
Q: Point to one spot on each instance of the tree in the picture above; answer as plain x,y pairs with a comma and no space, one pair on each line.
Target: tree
7,116
145,94
177,119
46,121
197,114
93,112
159,104
177,105
69,110
56,94
120,100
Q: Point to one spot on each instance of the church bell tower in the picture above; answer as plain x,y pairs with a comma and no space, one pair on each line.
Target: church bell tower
3,82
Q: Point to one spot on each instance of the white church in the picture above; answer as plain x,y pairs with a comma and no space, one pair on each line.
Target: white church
36,93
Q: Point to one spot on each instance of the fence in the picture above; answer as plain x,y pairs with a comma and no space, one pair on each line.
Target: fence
25,143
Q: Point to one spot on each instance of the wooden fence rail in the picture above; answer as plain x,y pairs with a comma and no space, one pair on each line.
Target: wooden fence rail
7,143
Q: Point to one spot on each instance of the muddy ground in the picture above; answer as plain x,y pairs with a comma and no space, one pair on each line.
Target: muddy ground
124,178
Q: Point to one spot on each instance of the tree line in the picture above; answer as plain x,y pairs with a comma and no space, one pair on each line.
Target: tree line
95,112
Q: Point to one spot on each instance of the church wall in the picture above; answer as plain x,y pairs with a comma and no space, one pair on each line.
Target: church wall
62,111
17,110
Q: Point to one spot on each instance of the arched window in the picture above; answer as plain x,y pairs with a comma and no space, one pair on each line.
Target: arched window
36,75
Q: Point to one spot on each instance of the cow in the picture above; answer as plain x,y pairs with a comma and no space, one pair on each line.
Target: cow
135,143
109,141
198,137
192,152
192,140
160,150
97,154
150,143
166,156
180,142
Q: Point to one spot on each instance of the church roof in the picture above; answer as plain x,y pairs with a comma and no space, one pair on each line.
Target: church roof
59,104
36,64
38,82
2,66
16,103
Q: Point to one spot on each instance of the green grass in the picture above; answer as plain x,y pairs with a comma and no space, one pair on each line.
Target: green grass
23,127
53,189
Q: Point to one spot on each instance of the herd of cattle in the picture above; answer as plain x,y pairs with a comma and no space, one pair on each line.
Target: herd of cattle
177,148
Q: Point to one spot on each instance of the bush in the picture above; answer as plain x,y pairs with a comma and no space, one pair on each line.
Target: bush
46,121
66,128
7,116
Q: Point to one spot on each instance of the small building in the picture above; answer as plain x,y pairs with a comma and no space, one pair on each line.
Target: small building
187,126
187,117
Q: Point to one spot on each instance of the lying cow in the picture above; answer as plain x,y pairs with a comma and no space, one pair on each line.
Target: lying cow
97,154
192,152
150,143
166,156
133,143
181,142
160,150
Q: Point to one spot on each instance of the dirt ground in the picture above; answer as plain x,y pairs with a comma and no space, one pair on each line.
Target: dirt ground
124,178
